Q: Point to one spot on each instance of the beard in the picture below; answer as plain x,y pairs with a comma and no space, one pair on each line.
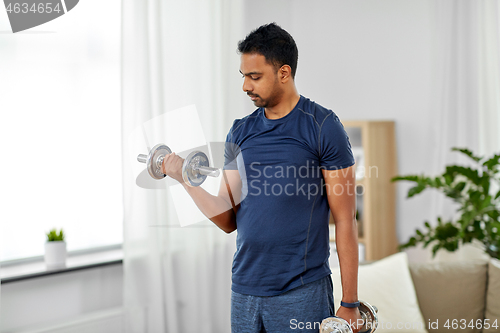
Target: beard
259,102
274,97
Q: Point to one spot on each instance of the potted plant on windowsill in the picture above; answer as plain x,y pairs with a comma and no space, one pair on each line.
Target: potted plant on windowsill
55,249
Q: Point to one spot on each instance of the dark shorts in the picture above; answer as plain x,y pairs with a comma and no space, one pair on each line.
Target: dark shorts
298,310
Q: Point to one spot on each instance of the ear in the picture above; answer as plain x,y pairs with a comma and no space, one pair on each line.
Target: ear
285,73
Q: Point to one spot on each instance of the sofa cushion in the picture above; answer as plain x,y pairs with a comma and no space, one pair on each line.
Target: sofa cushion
493,296
451,292
387,284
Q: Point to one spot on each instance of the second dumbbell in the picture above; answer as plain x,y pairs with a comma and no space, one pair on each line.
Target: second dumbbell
338,325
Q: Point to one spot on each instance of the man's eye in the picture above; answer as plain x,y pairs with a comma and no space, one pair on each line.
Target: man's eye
255,78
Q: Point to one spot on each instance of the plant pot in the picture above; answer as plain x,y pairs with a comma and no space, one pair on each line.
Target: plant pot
55,254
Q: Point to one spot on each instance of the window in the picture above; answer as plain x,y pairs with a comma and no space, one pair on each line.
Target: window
60,134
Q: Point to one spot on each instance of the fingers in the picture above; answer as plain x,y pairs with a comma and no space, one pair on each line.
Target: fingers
172,166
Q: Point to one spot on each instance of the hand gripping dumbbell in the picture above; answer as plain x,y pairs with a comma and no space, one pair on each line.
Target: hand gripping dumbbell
195,168
338,325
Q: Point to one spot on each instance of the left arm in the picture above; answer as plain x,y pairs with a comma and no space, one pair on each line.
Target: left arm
341,192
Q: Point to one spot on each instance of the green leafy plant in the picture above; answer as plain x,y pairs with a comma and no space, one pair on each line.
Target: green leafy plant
53,236
478,215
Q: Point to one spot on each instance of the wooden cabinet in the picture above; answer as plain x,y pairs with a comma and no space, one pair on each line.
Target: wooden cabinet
374,148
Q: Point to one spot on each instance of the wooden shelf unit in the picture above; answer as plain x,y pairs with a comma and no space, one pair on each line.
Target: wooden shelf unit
374,142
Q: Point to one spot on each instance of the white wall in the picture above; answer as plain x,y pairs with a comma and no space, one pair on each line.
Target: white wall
367,59
58,298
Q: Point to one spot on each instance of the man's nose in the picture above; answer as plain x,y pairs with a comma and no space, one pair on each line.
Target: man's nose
247,86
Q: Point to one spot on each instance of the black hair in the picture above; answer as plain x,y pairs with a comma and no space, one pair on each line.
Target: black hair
274,43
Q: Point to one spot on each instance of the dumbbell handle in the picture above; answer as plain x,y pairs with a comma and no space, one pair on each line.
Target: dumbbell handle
142,158
208,171
212,172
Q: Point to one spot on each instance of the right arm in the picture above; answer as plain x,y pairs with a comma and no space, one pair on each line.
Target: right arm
220,209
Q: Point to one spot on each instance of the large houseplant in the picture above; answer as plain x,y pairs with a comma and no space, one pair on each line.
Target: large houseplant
55,249
476,190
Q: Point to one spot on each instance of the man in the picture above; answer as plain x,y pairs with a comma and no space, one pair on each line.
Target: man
297,165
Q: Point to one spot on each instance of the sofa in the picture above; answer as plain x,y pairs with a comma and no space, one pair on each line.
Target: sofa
459,296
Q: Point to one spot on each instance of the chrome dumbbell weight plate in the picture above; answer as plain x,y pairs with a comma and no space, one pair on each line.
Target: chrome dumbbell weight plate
154,160
334,325
195,169
369,316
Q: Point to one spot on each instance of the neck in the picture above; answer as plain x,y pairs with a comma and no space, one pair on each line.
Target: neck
284,107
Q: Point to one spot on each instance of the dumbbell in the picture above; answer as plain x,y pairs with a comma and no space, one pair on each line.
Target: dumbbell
338,325
195,168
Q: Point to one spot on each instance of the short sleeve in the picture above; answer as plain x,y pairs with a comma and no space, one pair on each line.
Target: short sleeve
231,152
335,148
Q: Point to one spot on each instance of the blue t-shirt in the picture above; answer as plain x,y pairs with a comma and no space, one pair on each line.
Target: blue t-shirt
282,224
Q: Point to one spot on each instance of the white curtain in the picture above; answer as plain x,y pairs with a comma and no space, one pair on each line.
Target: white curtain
466,77
489,77
466,86
175,54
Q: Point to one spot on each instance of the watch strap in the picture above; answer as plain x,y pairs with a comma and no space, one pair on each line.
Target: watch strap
350,305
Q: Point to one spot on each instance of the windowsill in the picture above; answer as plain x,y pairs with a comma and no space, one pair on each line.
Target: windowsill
34,268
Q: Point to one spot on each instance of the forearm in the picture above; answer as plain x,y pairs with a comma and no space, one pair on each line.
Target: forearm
346,238
215,208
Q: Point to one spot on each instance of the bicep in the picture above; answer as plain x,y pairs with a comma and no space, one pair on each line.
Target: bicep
230,187
340,186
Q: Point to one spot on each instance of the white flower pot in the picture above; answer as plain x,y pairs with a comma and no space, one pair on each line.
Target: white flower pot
55,254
